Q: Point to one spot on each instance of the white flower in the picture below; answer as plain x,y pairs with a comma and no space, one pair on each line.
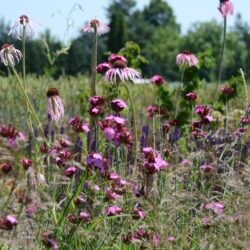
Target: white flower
9,55
21,23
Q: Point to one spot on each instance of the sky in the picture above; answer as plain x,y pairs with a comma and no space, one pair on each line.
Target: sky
57,15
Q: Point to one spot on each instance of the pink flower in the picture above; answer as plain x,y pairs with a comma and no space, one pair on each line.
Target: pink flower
113,210
160,164
102,68
191,96
5,167
97,100
84,216
8,222
171,238
55,107
207,168
96,161
226,8
9,55
70,171
96,26
26,163
217,207
49,240
118,105
226,90
157,80
79,125
186,60
206,222
119,70
12,134
138,214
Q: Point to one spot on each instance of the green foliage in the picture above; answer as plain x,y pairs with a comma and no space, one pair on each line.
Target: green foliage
132,52
118,35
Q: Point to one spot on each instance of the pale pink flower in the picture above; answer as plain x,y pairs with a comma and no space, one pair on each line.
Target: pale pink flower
226,8
226,90
119,70
171,238
96,26
84,216
186,60
207,168
215,206
113,210
9,55
55,107
24,22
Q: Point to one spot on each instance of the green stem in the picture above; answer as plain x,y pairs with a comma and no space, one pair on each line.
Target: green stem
221,60
178,94
226,116
245,86
134,129
29,105
94,65
24,56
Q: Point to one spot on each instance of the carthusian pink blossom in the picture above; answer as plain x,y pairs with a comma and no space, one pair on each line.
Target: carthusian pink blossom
215,206
113,210
118,105
55,107
9,56
186,60
157,80
226,8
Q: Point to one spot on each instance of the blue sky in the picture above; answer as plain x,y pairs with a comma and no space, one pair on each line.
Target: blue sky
55,14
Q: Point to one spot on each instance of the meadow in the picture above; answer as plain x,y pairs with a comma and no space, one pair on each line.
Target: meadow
99,162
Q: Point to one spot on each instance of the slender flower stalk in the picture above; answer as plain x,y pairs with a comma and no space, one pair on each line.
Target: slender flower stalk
28,103
178,93
135,170
24,56
221,59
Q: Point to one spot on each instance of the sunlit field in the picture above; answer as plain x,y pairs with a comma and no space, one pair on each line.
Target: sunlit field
118,159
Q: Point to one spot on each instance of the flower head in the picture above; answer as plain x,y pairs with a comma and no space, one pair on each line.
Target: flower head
9,55
113,210
55,107
102,68
8,222
26,163
191,96
21,25
157,80
186,60
226,90
215,206
226,8
119,71
96,26
118,105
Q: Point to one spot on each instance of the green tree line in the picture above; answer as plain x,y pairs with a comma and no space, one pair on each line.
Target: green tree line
156,31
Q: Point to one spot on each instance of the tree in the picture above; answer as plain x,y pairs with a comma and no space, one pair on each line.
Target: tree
117,36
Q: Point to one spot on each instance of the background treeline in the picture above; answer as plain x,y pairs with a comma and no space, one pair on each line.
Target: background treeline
154,29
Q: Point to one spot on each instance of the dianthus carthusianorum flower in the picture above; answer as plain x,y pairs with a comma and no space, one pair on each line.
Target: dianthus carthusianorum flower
55,107
226,8
21,25
96,26
9,55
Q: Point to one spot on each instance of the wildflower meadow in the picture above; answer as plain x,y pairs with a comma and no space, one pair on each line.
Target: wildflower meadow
118,158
